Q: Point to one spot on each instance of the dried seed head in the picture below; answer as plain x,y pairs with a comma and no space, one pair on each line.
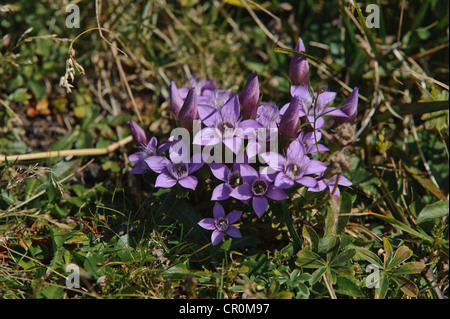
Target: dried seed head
345,134
339,162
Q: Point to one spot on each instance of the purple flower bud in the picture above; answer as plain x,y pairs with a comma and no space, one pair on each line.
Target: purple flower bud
290,121
138,133
188,112
299,66
350,107
249,97
176,102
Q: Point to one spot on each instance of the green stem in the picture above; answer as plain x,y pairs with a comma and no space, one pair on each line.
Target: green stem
290,225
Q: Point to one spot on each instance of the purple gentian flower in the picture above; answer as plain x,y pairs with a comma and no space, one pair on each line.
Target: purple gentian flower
177,169
294,168
310,140
259,187
330,183
299,66
249,97
350,107
176,102
231,178
225,127
314,108
221,224
146,149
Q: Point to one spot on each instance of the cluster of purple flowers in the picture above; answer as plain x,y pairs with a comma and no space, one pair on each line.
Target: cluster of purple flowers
219,119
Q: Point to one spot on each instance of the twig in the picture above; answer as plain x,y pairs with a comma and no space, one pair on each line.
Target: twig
77,152
329,286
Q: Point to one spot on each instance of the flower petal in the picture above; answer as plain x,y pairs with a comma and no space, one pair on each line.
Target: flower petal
218,211
242,192
189,182
157,163
260,204
234,216
283,181
216,237
164,180
324,99
276,193
233,143
307,181
232,231
231,109
221,192
220,171
207,223
208,115
207,136
248,173
295,151
274,160
315,167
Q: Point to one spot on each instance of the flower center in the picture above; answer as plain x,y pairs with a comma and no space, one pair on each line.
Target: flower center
293,170
222,224
178,170
234,179
259,187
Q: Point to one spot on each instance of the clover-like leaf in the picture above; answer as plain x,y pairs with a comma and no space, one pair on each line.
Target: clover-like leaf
401,254
308,259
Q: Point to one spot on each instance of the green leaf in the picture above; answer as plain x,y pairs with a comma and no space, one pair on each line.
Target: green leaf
311,237
317,275
346,286
382,287
407,286
410,268
308,259
401,254
370,257
421,108
435,210
333,248
343,257
388,249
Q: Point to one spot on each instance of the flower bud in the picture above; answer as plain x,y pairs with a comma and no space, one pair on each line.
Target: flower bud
176,102
188,112
290,121
138,133
299,66
350,107
249,97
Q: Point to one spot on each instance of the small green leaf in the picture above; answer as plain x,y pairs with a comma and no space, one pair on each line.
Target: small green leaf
407,286
388,249
370,257
410,268
317,275
333,248
435,210
401,254
382,287
343,257
308,259
311,237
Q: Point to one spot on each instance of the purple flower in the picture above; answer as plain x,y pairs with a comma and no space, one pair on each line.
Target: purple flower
294,168
177,169
268,115
231,178
147,150
332,186
299,66
221,224
290,121
314,108
225,126
310,140
350,107
188,112
249,97
259,187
